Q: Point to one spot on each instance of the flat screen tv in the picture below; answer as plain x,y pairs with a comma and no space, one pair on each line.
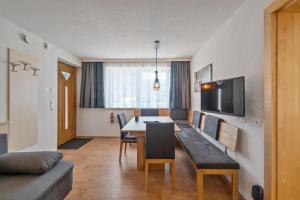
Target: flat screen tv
224,97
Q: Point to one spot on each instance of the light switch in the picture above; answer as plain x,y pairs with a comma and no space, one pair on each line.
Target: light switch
51,105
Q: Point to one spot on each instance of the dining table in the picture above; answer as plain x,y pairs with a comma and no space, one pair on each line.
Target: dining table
138,128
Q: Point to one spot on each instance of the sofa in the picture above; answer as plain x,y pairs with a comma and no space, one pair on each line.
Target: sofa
34,175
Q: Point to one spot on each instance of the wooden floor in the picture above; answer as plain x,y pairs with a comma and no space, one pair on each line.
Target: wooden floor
98,175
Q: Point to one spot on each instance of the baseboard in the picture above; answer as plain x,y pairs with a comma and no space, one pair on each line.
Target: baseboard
228,183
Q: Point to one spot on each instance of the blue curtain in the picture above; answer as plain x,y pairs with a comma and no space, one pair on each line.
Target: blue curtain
180,89
92,85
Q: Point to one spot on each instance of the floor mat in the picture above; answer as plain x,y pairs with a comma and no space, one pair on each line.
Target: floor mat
75,143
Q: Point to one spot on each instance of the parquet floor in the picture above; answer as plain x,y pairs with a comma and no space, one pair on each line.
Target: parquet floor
98,176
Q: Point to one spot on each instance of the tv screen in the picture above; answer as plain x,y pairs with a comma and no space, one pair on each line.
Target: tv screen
224,97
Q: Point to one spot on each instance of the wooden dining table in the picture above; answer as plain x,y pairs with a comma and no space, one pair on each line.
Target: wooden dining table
138,129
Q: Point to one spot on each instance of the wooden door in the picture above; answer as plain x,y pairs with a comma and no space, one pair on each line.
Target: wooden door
282,101
66,103
288,106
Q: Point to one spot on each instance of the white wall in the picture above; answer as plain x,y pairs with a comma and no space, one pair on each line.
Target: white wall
237,49
47,121
96,121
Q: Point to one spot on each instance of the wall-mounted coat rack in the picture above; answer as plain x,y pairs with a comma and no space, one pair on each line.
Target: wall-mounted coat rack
23,99
26,66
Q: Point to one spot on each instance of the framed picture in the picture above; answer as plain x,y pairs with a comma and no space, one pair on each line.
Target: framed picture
202,76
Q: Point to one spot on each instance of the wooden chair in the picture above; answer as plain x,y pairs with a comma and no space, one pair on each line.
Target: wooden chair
125,137
159,147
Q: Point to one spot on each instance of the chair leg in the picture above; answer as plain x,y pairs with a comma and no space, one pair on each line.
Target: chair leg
172,168
146,174
200,191
173,174
120,153
235,186
125,148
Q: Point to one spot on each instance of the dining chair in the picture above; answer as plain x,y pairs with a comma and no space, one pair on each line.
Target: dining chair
159,147
149,112
125,137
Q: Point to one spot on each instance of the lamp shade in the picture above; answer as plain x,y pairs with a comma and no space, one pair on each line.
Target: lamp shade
156,84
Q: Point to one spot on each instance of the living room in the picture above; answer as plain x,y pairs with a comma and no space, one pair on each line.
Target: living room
93,92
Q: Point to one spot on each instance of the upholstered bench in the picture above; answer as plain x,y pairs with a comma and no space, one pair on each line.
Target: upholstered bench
208,159
204,154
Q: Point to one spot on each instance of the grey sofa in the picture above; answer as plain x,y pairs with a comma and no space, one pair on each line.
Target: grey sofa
55,184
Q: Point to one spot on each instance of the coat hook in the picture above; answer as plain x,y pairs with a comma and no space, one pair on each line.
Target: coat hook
14,66
35,71
25,65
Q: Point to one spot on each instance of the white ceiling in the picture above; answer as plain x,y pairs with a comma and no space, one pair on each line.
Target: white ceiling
121,29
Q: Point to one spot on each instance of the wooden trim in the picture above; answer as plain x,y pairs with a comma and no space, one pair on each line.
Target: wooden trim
161,111
270,97
202,123
190,116
219,171
164,112
228,135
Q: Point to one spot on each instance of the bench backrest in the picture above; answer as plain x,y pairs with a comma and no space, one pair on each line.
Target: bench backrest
162,112
3,143
228,134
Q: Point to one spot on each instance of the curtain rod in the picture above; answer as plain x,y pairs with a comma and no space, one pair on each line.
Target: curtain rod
136,60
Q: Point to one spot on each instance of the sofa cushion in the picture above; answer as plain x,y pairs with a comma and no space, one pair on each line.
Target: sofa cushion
28,162
54,184
204,154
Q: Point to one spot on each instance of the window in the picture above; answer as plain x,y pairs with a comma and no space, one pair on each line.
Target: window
130,85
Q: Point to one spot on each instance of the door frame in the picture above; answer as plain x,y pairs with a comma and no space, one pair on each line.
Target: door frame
270,97
75,97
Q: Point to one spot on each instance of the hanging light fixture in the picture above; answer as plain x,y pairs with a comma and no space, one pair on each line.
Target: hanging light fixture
156,84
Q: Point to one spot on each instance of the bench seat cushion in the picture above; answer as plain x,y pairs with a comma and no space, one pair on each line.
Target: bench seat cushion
183,124
204,154
54,184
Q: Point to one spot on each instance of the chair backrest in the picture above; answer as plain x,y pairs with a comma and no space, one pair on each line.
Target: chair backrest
179,114
122,122
3,143
149,112
196,119
160,140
